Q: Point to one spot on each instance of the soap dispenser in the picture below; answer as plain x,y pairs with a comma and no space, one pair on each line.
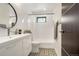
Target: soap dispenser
20,31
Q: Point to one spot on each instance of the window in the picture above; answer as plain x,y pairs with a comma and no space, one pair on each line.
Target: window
41,19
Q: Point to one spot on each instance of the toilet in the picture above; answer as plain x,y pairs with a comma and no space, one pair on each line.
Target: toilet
35,46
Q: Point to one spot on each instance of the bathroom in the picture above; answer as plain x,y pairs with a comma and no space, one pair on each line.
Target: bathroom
31,29
39,29
43,28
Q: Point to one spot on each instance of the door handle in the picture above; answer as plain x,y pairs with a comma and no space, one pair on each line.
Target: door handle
62,31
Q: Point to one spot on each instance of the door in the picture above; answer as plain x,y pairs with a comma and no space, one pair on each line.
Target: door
70,32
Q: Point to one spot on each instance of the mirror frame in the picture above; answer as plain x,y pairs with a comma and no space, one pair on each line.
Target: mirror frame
15,14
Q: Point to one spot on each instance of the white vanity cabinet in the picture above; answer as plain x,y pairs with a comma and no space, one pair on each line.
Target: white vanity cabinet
13,48
20,46
27,45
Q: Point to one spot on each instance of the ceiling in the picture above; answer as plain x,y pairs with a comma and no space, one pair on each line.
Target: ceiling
34,7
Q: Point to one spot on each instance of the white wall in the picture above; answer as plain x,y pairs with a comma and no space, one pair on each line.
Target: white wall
42,31
4,19
57,16
3,32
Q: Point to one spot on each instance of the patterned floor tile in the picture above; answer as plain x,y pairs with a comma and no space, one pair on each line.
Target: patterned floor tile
44,52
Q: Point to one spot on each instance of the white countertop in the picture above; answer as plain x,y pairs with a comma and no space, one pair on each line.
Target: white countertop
12,37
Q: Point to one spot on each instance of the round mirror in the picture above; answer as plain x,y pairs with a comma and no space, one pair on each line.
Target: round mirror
8,16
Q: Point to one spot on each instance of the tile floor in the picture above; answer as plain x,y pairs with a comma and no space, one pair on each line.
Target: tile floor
45,52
